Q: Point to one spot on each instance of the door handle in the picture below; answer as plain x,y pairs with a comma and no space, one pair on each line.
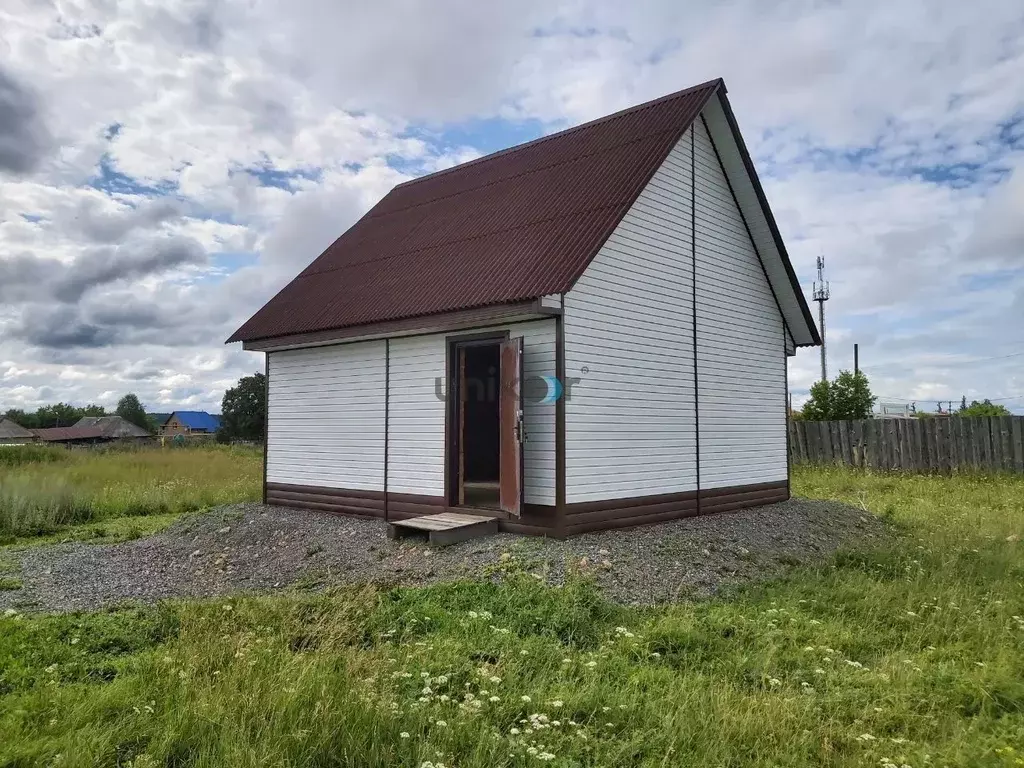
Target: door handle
520,427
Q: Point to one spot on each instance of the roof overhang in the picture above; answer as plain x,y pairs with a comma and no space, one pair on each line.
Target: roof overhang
746,186
499,314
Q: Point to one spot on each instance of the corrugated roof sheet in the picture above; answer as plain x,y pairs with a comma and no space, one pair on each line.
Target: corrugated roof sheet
57,434
198,420
521,223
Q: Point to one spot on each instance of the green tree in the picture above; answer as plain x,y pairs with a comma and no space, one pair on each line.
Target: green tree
984,408
57,415
848,396
130,409
20,417
244,410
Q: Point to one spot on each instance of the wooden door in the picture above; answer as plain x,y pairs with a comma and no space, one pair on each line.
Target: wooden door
510,415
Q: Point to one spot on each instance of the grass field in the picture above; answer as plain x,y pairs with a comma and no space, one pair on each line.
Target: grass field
82,494
908,656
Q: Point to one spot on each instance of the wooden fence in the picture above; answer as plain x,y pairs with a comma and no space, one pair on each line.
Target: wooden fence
940,444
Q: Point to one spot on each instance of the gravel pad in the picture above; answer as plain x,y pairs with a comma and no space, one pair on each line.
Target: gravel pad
258,548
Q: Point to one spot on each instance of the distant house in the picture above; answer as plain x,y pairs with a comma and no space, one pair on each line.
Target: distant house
71,435
12,433
190,423
114,427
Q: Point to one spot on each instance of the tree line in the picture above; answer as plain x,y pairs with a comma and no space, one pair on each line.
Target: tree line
243,412
848,397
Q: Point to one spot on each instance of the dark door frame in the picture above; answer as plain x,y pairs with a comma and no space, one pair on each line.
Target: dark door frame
453,394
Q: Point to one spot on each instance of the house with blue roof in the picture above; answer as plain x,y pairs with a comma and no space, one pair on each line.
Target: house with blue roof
190,423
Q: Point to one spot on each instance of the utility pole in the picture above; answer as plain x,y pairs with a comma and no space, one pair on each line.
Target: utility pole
856,359
821,295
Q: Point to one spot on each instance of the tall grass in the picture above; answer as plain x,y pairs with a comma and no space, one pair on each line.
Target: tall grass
17,455
909,655
46,496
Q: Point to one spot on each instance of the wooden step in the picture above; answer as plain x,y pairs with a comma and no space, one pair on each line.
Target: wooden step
444,528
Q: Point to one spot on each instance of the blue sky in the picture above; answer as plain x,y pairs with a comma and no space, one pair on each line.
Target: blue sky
166,167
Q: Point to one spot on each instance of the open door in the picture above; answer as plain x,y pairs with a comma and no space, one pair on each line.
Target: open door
511,427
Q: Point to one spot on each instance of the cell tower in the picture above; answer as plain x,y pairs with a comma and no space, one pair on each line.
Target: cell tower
821,295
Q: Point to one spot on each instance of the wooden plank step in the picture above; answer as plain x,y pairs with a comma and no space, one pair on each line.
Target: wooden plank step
444,528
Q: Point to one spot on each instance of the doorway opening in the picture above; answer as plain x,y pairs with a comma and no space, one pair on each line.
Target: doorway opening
479,425
484,424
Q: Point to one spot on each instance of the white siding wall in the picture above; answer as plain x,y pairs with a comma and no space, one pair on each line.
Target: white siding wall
416,416
326,417
740,342
630,421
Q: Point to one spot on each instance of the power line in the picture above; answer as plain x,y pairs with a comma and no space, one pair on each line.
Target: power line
950,362
941,399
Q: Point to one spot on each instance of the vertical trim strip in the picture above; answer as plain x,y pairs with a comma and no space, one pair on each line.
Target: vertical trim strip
693,301
266,419
785,405
560,518
387,404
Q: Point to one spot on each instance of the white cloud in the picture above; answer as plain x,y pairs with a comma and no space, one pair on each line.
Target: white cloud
888,137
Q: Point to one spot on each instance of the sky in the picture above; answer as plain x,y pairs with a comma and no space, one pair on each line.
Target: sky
167,166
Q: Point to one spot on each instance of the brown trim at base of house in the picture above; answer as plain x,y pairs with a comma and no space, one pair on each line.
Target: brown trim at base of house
335,500
590,516
537,519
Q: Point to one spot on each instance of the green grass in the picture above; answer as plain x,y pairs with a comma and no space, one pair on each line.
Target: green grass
910,655
64,490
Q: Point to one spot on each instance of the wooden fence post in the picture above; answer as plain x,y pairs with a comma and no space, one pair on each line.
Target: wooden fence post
1005,437
1017,440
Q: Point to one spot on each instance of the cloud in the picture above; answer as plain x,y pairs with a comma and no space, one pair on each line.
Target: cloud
27,277
209,149
24,138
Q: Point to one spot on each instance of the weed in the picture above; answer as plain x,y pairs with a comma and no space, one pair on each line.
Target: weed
43,497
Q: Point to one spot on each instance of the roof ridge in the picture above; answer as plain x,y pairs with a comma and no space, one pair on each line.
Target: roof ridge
716,82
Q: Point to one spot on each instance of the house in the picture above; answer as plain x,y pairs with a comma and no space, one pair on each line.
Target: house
12,433
114,427
71,435
190,423
583,332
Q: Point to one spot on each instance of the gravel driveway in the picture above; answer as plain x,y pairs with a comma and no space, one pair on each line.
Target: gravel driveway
253,547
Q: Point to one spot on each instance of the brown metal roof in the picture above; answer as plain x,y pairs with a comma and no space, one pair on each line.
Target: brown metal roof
518,224
58,434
